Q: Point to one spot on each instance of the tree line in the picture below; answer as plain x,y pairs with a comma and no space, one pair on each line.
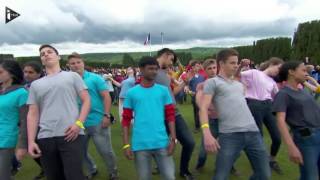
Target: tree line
305,43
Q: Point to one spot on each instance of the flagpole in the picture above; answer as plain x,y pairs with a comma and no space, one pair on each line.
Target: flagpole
150,43
162,39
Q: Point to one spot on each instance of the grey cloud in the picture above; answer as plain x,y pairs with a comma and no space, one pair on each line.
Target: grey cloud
176,28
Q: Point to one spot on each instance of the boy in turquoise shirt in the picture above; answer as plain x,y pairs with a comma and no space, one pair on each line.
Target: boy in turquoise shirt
98,120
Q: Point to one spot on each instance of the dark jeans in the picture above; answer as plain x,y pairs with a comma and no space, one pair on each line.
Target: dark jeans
213,124
116,93
262,113
112,95
185,97
5,163
195,113
15,162
62,160
231,144
38,161
187,142
310,149
179,97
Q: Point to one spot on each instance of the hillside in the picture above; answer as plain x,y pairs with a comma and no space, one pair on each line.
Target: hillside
116,58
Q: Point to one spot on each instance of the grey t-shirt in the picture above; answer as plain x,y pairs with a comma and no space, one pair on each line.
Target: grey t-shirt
229,100
300,107
56,96
163,79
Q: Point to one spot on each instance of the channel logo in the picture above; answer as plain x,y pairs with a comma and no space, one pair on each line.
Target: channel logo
10,15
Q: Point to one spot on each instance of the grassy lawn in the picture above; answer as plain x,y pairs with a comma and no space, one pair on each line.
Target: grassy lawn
127,170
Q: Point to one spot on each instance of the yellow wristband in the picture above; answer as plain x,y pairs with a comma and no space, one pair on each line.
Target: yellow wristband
79,124
126,146
205,125
318,89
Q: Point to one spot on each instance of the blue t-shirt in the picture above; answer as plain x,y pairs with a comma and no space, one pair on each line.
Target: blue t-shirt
125,86
195,81
95,84
10,104
148,105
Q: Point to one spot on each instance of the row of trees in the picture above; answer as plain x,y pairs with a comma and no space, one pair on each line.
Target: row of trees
6,57
305,43
263,49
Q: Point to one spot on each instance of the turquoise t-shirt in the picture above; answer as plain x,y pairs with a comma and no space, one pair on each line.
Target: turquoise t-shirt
95,84
148,105
10,104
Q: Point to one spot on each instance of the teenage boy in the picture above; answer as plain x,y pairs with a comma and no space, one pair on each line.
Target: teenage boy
152,105
237,128
97,124
54,114
166,58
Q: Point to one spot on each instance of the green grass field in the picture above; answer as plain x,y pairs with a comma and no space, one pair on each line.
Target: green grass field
127,170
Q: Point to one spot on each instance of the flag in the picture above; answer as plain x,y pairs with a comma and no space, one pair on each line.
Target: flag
147,41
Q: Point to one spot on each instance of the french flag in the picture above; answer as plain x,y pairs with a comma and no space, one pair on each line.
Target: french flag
147,41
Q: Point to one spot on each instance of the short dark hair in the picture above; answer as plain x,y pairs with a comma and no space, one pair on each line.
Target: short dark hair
74,55
14,70
148,60
194,62
224,54
167,51
48,46
35,66
284,70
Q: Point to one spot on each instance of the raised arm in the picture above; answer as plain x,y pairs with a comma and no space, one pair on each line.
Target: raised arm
315,87
116,83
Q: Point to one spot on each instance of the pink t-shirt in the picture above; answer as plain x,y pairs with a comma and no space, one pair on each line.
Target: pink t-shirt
259,86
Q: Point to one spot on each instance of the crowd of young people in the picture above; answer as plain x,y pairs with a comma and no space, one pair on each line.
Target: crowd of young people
51,114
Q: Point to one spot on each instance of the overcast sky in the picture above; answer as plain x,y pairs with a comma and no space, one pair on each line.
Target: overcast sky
122,25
